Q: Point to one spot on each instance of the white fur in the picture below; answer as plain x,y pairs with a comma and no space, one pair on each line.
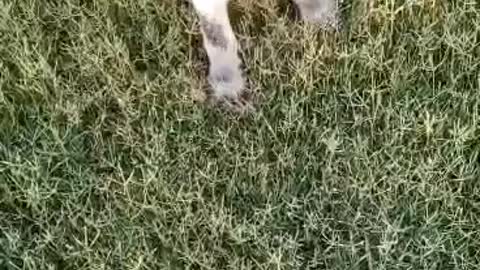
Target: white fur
224,62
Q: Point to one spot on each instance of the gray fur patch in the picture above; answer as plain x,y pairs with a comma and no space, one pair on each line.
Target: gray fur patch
214,33
223,75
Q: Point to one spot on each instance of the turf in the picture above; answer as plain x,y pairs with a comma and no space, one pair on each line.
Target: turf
364,151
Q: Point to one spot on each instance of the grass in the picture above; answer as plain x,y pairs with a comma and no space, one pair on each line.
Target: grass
364,152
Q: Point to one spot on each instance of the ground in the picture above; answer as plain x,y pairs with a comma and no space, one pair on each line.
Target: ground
363,152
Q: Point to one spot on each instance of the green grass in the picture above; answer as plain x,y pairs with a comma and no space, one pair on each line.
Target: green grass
364,152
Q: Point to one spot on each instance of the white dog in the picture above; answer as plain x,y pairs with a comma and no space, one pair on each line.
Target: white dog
225,74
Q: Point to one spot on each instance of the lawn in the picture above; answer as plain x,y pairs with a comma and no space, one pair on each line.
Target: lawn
363,151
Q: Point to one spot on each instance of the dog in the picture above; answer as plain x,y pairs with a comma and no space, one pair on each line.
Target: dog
225,74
